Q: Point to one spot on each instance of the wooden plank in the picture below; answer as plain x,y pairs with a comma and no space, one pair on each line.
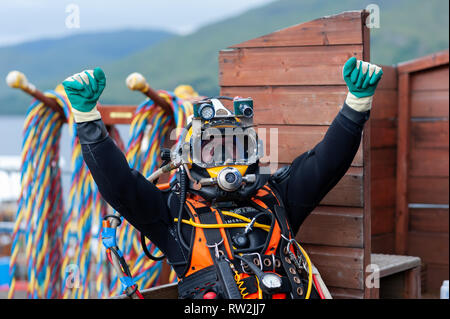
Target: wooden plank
382,192
117,114
429,104
429,162
431,247
367,198
383,157
374,293
384,105
425,62
429,134
389,79
336,226
348,191
299,105
343,293
392,264
383,243
344,28
429,220
295,140
428,190
338,266
412,289
436,274
164,277
401,214
367,195
383,220
384,133
321,65
430,79
384,163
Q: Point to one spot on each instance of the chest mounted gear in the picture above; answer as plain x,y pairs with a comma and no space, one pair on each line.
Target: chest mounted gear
221,263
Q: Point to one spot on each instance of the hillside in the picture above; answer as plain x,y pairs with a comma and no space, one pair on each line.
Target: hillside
47,61
409,29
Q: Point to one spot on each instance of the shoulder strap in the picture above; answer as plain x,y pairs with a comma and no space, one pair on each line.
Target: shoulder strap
270,197
217,242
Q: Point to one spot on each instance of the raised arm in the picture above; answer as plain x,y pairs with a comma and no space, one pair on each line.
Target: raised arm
125,189
314,173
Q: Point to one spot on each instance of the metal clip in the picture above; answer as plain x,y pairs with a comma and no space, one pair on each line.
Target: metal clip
216,248
298,261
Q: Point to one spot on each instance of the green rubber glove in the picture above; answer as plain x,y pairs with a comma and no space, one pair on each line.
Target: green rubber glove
83,91
362,79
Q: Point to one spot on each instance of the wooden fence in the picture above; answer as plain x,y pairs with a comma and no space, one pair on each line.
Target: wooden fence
394,197
417,224
295,78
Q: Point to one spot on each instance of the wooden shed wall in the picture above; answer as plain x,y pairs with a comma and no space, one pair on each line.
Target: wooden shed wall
295,78
409,164
383,155
424,178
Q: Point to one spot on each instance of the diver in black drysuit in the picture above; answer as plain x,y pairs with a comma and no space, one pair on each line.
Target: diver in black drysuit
312,175
300,186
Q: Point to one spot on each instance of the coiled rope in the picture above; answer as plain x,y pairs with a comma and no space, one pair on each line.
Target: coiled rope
61,247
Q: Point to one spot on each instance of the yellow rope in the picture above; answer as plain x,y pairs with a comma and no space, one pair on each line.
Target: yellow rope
308,261
236,225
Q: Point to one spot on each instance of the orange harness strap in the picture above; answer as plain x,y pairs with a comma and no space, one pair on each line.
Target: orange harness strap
201,255
200,252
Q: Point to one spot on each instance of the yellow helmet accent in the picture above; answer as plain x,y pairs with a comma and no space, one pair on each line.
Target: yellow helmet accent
214,171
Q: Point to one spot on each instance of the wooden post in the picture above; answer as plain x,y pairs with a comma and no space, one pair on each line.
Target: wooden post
413,287
401,212
368,293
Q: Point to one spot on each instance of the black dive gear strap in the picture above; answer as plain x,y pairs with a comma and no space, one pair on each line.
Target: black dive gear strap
286,268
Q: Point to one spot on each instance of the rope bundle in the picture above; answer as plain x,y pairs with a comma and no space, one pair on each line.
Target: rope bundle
62,246
40,206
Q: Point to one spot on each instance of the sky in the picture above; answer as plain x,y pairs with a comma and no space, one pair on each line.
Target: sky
25,20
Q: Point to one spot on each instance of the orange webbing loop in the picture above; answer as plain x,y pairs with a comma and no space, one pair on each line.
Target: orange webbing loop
202,257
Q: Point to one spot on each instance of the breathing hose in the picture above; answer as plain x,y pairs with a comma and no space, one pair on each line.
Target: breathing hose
183,189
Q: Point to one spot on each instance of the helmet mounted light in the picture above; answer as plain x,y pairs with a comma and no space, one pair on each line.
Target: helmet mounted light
206,111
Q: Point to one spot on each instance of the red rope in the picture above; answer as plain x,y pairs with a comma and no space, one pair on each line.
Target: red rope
318,287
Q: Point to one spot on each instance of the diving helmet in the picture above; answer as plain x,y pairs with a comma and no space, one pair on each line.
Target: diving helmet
220,150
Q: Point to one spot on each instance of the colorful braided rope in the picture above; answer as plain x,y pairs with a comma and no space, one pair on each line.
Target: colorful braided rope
58,245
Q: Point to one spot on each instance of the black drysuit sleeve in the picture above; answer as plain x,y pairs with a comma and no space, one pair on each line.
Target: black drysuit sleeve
140,202
314,173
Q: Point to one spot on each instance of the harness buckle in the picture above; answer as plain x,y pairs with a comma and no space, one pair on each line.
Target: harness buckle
259,264
298,261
